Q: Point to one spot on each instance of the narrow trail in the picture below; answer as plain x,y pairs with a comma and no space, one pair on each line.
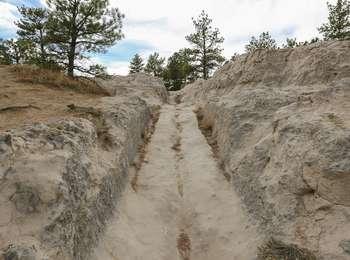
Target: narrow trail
184,208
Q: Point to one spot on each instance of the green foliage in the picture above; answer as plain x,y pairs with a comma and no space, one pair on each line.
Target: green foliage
338,26
32,27
19,51
77,27
179,70
293,43
206,46
5,58
314,40
155,65
235,56
265,41
97,70
136,64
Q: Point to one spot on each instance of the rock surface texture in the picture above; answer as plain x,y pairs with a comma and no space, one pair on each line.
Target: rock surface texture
91,176
280,124
60,180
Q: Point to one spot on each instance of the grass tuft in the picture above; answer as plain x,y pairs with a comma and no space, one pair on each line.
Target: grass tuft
277,250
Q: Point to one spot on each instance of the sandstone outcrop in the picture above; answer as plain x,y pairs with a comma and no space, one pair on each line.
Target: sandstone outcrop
280,123
60,179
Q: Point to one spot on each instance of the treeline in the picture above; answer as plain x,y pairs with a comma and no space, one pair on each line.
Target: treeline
62,35
205,54
187,64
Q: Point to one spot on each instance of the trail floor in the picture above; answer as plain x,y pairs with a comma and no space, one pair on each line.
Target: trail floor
183,207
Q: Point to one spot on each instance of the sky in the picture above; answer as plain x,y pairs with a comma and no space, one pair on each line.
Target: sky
161,25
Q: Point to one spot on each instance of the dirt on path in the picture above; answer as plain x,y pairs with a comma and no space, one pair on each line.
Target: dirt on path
184,208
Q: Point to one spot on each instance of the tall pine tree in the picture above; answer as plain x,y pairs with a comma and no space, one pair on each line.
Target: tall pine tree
206,46
338,26
136,64
32,27
179,70
155,65
77,27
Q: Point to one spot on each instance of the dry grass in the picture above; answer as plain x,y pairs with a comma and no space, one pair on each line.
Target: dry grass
142,151
177,145
178,99
184,245
336,120
57,79
205,125
277,250
22,103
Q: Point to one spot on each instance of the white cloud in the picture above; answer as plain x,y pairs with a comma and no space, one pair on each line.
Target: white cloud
118,68
164,24
8,17
237,20
113,67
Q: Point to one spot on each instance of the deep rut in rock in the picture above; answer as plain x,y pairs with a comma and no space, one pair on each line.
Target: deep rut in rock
183,209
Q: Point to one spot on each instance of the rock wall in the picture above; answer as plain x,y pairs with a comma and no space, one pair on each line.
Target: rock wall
281,124
60,180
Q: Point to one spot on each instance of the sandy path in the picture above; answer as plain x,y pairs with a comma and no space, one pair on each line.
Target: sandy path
184,208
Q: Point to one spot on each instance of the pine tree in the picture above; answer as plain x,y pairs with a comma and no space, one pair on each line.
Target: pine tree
5,58
206,46
235,56
77,27
179,70
265,41
19,51
136,64
338,26
314,40
32,27
186,60
290,43
155,65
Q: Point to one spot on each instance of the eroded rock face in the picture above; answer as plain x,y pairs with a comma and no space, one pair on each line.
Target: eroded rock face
281,120
139,84
60,181
25,198
19,253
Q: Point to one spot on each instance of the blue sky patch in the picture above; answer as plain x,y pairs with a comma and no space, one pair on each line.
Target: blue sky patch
31,3
125,50
7,33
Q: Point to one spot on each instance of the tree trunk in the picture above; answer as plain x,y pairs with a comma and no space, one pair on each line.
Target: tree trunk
73,35
71,58
42,48
205,71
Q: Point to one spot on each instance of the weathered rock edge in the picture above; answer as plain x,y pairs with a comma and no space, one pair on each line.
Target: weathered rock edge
62,180
279,121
